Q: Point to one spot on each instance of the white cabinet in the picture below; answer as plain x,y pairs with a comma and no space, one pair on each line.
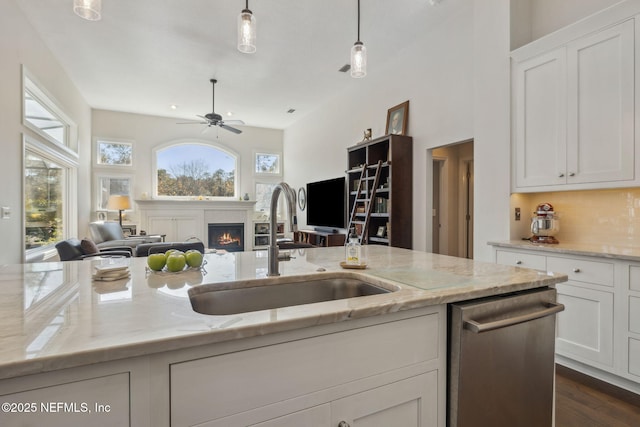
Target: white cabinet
178,227
371,374
574,113
405,403
317,416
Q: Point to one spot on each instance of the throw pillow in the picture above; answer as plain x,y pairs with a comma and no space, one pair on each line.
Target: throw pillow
89,247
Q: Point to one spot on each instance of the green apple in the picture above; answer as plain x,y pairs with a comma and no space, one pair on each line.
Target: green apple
156,261
176,262
194,258
169,252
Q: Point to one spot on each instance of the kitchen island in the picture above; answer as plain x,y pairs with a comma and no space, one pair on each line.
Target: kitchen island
133,351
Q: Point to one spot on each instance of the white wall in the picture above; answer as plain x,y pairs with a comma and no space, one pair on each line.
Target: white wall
148,132
20,45
434,74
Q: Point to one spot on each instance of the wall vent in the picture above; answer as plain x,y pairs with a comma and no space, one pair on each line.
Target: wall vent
345,68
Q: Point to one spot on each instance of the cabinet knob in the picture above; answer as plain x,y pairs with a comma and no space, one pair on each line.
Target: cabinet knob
576,270
343,424
572,174
518,262
560,175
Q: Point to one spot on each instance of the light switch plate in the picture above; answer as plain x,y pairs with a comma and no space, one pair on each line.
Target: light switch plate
6,212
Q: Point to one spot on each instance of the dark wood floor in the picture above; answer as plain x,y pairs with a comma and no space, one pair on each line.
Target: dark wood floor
582,401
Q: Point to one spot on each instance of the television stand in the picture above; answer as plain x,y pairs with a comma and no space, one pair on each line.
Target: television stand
319,238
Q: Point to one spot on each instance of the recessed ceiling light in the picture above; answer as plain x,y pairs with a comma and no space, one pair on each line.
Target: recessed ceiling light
173,107
229,113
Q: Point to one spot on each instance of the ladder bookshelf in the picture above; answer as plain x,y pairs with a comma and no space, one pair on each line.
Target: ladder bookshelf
385,168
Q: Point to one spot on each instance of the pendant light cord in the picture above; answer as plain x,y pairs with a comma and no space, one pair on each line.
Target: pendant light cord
358,20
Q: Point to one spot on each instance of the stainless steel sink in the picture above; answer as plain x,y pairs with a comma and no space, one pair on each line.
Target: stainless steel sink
266,294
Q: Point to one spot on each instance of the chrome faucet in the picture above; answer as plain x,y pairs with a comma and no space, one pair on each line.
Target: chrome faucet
290,197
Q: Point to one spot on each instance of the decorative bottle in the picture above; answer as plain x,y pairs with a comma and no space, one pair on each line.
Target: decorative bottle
354,249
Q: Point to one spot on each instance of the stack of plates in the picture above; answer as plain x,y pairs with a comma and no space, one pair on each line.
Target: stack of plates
109,273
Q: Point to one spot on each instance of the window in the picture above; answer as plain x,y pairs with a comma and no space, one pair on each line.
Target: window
49,178
267,164
264,190
189,169
112,153
42,115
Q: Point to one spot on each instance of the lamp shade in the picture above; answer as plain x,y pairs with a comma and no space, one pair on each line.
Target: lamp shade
91,10
119,202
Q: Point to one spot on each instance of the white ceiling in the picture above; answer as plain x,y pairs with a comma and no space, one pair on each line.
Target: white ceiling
145,55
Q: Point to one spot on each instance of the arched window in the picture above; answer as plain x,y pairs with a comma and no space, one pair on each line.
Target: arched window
187,169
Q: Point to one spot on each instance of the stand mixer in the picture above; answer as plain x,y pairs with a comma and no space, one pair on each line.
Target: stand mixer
544,224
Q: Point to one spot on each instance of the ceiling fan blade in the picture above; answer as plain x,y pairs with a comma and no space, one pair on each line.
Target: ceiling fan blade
229,128
234,122
194,122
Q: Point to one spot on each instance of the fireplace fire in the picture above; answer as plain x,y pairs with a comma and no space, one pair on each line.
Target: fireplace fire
229,237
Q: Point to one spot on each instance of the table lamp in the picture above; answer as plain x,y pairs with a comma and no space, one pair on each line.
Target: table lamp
119,203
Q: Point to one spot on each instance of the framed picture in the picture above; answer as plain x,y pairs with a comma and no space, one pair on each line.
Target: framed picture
381,231
111,185
268,164
302,198
129,230
397,119
114,153
101,215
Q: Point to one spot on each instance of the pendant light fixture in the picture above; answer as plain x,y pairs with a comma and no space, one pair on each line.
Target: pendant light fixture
358,54
91,10
246,30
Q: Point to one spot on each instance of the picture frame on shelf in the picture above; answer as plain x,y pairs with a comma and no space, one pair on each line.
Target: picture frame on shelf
129,230
382,231
101,215
261,228
397,119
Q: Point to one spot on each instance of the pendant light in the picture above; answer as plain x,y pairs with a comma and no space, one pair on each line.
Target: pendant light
358,54
246,30
91,10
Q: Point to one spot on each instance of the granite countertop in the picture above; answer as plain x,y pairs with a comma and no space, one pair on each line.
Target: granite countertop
629,253
53,316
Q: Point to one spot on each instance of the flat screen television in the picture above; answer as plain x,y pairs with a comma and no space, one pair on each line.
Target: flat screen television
326,204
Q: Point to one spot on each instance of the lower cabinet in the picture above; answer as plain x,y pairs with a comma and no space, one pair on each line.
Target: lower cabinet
585,327
177,228
409,402
598,333
385,374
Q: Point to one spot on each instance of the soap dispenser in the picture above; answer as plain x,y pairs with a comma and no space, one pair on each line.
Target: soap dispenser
354,249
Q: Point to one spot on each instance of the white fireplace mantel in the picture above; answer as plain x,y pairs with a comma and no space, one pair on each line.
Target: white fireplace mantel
180,220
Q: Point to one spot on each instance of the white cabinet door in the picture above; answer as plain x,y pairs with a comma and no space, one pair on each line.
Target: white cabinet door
176,228
585,327
408,403
96,402
601,118
540,119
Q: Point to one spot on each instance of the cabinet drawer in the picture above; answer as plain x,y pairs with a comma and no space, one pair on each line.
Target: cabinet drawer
517,259
634,314
600,273
634,278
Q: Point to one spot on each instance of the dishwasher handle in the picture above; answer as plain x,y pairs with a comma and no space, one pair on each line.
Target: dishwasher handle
477,327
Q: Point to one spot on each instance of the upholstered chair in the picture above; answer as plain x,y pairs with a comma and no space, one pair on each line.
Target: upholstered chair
109,234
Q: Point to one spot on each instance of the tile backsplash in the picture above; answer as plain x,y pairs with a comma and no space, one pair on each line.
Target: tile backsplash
591,217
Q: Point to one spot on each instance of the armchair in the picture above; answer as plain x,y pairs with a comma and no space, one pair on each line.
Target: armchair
74,249
109,234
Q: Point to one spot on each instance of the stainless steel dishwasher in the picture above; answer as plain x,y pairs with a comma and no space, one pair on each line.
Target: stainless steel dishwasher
501,360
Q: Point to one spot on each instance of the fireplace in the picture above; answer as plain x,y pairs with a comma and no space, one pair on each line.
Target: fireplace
229,237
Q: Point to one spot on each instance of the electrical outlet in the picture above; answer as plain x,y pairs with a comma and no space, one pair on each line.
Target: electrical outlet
517,214
6,212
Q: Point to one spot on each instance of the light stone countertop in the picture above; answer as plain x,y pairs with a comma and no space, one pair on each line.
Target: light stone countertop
53,316
629,253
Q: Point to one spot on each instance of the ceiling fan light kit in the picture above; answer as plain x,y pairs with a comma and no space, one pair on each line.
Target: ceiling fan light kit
358,54
91,10
246,30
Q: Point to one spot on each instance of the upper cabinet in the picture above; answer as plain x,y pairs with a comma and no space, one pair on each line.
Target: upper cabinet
573,112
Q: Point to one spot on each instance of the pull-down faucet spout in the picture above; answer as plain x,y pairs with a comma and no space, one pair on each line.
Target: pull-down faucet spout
290,197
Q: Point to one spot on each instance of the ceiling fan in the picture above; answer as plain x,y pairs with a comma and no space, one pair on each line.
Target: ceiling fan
214,119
